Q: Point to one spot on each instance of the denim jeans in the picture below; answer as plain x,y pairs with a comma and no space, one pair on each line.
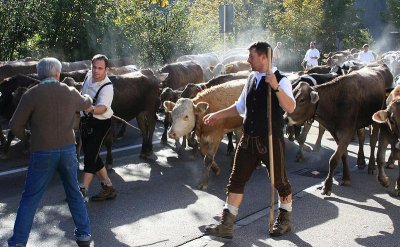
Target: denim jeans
42,166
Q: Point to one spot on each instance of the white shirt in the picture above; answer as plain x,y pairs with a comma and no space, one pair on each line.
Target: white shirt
312,62
105,96
284,84
366,57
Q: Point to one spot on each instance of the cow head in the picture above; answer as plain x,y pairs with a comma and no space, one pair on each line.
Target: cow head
306,102
190,91
184,114
391,117
161,76
168,94
183,117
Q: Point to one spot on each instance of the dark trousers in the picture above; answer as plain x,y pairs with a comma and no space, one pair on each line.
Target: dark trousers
250,151
93,133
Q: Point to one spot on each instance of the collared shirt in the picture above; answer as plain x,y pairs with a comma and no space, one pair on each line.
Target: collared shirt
366,57
105,96
312,53
284,84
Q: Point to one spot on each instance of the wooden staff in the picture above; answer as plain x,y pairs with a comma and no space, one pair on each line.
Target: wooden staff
270,149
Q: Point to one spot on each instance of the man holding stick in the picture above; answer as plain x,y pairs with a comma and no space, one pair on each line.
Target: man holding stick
253,146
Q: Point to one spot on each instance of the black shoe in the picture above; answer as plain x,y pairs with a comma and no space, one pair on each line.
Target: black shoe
224,229
282,224
83,243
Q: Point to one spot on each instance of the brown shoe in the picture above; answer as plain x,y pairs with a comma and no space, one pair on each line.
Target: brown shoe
106,193
282,224
224,229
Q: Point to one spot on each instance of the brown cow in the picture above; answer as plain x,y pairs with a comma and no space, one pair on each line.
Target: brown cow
237,66
188,113
389,133
343,106
180,74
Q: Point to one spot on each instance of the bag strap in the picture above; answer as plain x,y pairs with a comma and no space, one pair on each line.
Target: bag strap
98,91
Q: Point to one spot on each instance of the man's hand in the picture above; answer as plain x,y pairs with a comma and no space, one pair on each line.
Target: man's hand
210,119
271,80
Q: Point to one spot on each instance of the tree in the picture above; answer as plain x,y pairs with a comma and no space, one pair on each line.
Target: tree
17,20
394,12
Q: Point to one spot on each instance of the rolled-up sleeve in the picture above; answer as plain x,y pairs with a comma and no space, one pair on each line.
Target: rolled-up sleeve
240,104
106,96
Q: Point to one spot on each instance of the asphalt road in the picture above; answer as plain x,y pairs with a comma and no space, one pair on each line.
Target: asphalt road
158,203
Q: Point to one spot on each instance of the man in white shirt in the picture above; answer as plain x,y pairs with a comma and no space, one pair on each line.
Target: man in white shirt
312,56
366,56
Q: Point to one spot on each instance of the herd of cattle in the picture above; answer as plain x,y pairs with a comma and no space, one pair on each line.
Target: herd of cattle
343,96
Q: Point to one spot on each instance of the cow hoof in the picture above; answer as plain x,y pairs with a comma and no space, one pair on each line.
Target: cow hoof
345,182
146,155
307,148
385,182
326,192
202,186
361,164
291,138
299,157
390,165
317,148
371,170
217,171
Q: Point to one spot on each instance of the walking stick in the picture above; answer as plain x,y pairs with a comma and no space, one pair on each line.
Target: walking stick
270,150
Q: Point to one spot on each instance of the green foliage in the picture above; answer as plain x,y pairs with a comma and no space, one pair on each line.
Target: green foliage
16,25
394,12
156,32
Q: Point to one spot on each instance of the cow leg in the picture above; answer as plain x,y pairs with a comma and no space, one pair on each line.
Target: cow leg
391,159
192,142
290,132
209,162
321,131
167,124
146,123
121,132
3,139
396,155
373,140
301,138
10,137
342,142
384,140
360,157
230,148
346,171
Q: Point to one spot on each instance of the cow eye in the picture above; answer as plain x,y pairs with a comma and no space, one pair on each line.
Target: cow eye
301,101
186,118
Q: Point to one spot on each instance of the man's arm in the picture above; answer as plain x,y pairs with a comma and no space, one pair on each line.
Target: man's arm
212,118
20,118
284,90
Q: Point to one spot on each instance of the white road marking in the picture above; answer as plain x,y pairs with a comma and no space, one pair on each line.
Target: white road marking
22,169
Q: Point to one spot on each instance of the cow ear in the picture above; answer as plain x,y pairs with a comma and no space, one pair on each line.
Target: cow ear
201,108
314,97
161,76
168,105
380,116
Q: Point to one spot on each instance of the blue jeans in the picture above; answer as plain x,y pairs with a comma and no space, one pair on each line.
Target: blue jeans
42,166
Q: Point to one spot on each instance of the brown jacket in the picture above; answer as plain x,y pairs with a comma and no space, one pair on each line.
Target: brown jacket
49,109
